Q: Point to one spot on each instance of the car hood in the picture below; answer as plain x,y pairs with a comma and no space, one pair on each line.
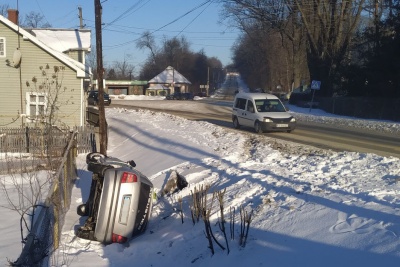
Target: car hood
276,115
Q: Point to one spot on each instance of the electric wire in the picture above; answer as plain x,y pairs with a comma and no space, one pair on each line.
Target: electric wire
162,27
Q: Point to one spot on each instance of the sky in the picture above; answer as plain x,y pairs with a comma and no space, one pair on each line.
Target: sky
311,207
125,21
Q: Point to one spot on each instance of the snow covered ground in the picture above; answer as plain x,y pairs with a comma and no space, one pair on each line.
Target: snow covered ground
311,207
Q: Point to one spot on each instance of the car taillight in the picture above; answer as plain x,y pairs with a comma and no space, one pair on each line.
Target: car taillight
128,177
118,238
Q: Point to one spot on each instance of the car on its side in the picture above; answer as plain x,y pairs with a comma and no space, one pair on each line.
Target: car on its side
262,112
93,98
120,201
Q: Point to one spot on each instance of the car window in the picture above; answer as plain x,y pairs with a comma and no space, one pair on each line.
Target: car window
269,105
240,103
250,106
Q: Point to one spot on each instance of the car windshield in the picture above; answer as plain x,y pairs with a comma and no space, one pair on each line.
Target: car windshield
269,105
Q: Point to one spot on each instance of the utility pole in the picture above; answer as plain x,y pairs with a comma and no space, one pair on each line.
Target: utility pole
208,80
100,73
80,17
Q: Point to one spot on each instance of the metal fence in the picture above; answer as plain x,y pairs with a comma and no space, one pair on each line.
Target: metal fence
44,236
44,141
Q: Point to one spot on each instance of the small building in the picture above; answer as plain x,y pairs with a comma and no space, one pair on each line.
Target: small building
114,87
168,82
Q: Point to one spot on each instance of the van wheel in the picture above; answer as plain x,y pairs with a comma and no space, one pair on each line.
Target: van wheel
236,123
257,127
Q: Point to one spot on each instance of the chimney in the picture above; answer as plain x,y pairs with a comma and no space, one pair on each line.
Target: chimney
13,15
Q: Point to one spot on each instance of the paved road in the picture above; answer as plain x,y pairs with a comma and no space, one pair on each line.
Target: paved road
318,135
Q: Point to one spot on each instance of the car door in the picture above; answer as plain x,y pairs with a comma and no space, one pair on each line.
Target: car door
245,113
240,110
250,114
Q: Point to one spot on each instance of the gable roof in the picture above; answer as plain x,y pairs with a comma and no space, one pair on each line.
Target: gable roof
170,75
80,68
63,40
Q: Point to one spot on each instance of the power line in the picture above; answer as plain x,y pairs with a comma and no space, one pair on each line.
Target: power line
194,18
127,12
162,27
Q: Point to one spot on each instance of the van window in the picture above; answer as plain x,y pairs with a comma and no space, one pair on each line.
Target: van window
269,105
250,106
240,103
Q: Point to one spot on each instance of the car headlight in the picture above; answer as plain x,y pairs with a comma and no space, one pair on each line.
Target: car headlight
293,120
267,120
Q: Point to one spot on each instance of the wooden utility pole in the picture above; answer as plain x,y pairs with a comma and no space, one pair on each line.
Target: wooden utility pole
100,73
80,18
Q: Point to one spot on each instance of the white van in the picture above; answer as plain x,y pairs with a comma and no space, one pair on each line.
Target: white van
263,112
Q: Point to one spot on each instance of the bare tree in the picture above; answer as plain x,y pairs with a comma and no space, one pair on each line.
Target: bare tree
328,25
123,69
147,41
3,9
91,61
275,33
35,20
49,84
330,28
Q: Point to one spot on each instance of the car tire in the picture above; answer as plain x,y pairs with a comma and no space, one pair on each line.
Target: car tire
257,127
236,123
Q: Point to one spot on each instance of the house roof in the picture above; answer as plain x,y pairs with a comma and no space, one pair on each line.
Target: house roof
63,40
170,75
81,69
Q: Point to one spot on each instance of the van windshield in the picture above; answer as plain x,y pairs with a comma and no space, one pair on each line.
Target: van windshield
269,105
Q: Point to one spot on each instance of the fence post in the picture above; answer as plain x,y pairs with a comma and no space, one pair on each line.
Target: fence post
27,138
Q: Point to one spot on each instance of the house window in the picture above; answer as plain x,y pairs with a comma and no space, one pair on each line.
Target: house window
2,47
35,106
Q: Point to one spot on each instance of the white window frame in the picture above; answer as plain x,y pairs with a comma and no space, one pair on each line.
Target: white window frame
3,50
35,117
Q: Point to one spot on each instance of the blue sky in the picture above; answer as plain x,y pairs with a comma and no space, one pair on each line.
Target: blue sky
126,20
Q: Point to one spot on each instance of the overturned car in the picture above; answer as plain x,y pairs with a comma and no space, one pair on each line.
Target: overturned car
120,201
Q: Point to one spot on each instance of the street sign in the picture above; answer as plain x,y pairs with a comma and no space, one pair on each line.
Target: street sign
315,85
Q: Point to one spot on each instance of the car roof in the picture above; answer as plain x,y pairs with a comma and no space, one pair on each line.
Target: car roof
96,92
256,96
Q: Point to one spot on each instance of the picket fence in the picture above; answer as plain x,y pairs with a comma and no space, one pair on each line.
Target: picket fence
45,141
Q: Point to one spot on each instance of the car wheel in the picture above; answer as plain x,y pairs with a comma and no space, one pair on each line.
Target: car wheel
236,123
257,127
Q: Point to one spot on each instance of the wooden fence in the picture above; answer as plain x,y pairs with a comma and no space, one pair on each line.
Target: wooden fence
44,236
44,141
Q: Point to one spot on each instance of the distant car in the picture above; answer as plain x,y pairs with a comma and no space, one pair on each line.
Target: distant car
93,98
262,112
174,96
180,96
187,96
202,94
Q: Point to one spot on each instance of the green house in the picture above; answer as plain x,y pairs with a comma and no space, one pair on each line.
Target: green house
43,77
